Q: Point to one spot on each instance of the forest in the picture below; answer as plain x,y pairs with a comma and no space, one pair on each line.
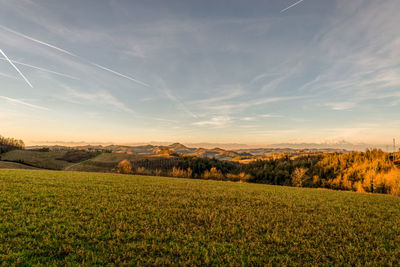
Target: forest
371,171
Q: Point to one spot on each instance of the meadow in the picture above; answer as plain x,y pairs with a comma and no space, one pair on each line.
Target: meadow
70,218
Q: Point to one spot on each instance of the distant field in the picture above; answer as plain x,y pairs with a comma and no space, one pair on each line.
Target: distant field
106,162
45,160
58,160
50,217
14,165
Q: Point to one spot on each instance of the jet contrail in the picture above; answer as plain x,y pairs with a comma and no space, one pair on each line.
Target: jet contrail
37,41
72,54
174,98
42,69
13,100
12,64
119,74
295,4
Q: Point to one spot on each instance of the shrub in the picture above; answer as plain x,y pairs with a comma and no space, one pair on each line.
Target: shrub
142,171
178,172
157,172
213,173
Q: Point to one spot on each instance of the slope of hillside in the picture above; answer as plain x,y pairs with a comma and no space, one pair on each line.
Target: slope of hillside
70,218
105,162
14,165
45,160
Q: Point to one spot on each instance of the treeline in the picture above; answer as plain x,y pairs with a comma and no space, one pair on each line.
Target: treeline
371,171
8,144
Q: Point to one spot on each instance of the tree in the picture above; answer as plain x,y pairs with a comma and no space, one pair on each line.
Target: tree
299,176
125,167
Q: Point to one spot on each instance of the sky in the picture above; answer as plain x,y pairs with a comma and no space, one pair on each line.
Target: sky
254,72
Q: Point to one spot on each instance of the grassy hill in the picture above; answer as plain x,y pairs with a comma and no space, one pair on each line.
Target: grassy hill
52,217
45,160
105,162
52,160
14,165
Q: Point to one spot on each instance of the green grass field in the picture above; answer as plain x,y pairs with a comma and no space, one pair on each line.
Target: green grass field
53,217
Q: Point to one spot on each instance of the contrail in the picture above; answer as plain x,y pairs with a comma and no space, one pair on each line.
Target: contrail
119,74
174,98
42,69
295,4
12,64
72,54
13,100
37,41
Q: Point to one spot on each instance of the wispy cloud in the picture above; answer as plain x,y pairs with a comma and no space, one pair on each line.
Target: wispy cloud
98,97
263,76
271,116
258,117
216,121
8,76
42,69
226,92
255,102
103,97
248,119
341,105
12,64
20,102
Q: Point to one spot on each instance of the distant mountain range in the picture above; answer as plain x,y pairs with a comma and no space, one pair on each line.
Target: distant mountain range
178,148
230,146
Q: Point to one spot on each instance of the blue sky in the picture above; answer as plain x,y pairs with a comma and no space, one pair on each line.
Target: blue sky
200,71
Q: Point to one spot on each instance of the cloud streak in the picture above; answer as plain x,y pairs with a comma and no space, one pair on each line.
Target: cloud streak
99,97
20,102
12,64
215,121
7,76
42,69
168,93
